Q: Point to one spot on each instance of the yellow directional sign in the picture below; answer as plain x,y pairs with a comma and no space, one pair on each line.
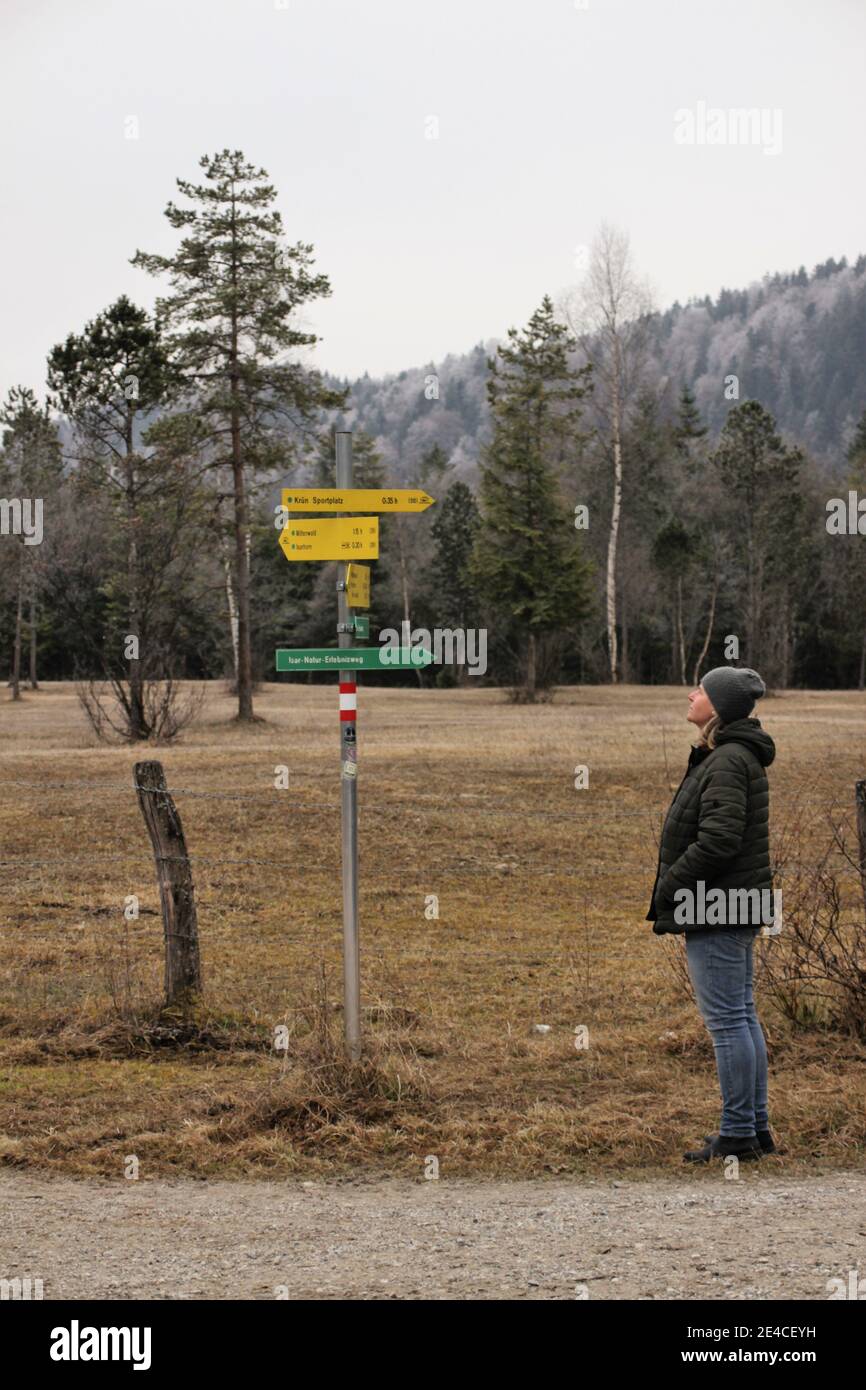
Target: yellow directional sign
358,586
356,499
337,538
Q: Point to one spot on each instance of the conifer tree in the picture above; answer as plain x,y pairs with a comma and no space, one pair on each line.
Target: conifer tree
527,561
760,477
673,554
107,380
454,531
30,467
689,426
235,287
433,468
856,454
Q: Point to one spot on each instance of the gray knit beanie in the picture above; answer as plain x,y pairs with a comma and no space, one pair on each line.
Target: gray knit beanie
733,691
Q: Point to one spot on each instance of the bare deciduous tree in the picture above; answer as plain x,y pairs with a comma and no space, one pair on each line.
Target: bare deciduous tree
608,314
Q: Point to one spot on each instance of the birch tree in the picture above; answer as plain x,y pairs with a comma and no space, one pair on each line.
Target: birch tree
608,315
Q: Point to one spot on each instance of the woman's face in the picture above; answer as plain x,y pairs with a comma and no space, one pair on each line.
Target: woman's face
700,709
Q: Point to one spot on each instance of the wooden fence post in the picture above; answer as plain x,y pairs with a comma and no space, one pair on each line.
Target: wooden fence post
860,801
174,875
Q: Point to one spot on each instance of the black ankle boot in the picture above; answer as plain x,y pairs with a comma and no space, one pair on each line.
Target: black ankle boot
764,1137
724,1146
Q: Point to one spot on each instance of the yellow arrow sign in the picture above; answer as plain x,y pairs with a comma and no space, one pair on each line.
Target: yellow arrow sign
339,538
356,499
358,586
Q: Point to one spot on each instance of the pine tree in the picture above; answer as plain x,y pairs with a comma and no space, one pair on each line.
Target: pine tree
764,518
856,454
107,380
235,287
527,561
454,531
415,548
689,426
433,469
30,467
673,553
648,460
650,467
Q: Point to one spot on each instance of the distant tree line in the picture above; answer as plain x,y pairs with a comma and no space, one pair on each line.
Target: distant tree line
605,531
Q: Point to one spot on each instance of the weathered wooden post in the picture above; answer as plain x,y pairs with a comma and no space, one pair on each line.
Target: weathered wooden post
860,802
174,875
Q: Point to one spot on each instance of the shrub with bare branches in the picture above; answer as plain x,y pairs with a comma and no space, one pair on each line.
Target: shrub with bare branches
815,970
165,710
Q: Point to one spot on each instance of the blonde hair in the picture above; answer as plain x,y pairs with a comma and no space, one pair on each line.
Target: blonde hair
709,732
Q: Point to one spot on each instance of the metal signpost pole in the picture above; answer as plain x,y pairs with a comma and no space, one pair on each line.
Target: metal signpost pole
348,790
345,539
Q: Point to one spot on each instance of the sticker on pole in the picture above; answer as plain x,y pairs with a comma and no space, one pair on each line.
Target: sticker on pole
358,586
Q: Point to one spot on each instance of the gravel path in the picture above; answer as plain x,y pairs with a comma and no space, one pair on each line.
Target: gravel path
698,1237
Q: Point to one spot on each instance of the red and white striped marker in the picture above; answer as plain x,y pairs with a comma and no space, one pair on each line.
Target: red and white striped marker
348,701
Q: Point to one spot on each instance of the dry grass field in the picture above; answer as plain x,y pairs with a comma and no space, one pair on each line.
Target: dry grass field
542,891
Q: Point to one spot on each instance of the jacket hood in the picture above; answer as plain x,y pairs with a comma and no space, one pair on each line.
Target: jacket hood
750,733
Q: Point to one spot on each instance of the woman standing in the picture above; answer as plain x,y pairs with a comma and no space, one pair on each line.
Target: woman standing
716,837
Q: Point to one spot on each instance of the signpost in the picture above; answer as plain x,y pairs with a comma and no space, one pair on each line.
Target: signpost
347,539
363,658
356,499
337,538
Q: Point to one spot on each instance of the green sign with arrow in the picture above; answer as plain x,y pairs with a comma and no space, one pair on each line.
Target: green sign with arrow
382,658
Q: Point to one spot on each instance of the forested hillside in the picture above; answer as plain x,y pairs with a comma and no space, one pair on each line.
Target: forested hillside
797,343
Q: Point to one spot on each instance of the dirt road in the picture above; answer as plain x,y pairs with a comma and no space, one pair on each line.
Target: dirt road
699,1236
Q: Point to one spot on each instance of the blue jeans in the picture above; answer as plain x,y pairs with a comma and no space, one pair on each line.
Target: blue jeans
720,967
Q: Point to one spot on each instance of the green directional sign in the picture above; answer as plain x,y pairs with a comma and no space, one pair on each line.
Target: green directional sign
383,658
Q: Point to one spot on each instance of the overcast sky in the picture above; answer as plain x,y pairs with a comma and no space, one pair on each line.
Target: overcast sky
551,117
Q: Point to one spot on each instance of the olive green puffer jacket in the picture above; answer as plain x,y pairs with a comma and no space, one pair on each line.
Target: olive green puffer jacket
717,832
